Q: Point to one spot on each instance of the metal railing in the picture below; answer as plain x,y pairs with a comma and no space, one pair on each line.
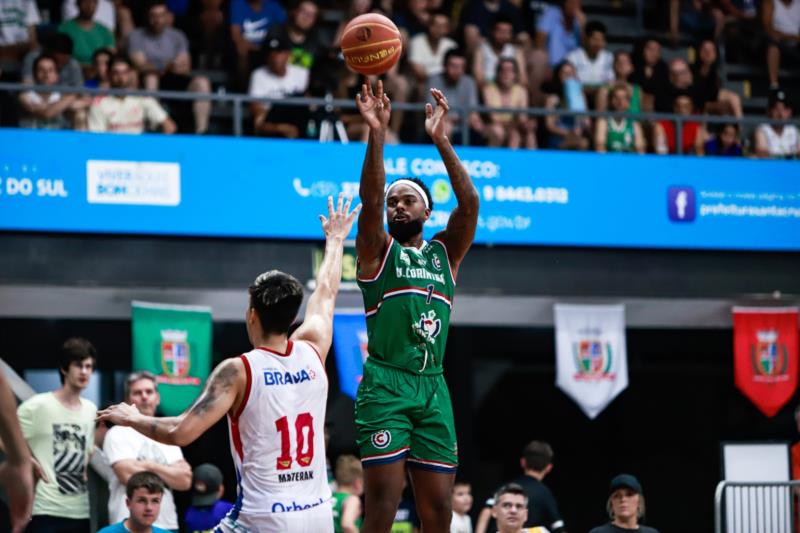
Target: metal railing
332,105
756,507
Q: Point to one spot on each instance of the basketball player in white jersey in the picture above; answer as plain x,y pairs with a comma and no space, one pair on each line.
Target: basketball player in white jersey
274,397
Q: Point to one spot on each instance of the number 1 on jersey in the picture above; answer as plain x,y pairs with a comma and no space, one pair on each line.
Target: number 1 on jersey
305,441
429,296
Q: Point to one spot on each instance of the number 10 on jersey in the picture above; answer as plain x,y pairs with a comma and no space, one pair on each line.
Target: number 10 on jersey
304,437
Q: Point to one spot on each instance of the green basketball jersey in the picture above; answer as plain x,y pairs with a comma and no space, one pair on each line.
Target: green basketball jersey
408,306
620,136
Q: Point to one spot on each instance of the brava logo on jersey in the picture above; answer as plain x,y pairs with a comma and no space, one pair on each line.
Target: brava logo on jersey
274,376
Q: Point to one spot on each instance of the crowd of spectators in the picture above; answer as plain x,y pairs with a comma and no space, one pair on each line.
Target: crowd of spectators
498,53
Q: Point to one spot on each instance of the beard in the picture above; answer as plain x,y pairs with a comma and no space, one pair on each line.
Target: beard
403,231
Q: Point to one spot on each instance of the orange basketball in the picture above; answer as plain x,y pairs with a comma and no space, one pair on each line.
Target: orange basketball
371,44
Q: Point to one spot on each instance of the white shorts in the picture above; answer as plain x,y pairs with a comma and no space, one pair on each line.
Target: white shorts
318,519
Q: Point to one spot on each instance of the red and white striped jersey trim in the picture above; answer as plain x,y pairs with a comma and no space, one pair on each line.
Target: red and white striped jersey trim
400,291
432,463
387,455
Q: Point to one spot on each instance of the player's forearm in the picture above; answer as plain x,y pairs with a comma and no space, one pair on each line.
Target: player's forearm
373,175
329,276
13,441
463,188
161,429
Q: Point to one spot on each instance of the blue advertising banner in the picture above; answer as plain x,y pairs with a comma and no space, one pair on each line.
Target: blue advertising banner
350,343
222,186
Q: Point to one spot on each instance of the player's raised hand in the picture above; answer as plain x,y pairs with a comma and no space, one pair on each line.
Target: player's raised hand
121,414
340,220
374,107
436,119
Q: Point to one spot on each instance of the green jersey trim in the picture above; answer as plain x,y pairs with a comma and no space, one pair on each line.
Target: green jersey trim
447,257
377,275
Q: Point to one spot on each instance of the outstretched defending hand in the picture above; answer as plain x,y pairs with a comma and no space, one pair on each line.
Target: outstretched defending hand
340,221
121,414
436,119
375,108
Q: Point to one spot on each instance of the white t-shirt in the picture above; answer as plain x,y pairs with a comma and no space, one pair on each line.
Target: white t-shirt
15,17
491,59
786,19
460,523
421,53
593,72
55,123
105,14
266,84
127,443
62,440
786,144
125,115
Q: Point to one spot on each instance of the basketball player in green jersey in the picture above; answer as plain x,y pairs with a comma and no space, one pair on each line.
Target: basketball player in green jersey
403,411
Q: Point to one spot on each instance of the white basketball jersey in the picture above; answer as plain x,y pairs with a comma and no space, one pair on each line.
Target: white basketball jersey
277,435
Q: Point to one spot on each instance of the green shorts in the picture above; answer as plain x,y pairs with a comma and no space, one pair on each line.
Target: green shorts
403,415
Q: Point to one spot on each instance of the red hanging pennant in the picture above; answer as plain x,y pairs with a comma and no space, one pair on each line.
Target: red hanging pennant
765,344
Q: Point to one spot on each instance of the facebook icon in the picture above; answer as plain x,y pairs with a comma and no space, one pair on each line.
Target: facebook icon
681,204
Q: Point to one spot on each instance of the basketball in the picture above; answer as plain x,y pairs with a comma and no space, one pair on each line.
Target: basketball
371,44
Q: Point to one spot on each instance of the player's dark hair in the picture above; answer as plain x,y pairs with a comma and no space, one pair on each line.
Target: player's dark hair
75,350
422,185
276,298
537,455
144,480
594,26
510,488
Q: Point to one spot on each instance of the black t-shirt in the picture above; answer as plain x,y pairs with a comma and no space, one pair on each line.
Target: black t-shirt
611,528
542,507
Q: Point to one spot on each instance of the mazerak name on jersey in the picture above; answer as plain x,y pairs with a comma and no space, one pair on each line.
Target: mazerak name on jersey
418,273
291,477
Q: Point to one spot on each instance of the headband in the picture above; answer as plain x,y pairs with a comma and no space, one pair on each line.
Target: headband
414,186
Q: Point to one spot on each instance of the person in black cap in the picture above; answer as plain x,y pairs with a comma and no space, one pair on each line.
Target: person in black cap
207,510
778,140
625,506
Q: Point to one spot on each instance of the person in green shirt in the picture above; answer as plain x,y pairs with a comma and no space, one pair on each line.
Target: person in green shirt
403,412
347,498
59,428
87,35
619,134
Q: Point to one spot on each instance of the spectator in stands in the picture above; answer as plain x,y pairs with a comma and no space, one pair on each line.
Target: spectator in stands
650,71
347,510
508,129
87,35
45,109
536,463
113,14
460,90
461,503
680,81
17,32
126,114
558,32
692,134
623,72
567,132
101,60
277,79
355,8
700,18
58,45
412,18
742,29
498,46
207,509
301,32
619,134
781,19
426,51
625,507
209,36
59,429
479,18
130,452
710,96
511,510
594,65
725,142
161,55
250,21
144,494
778,141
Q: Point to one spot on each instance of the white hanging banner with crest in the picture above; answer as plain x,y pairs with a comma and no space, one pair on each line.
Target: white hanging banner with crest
591,357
